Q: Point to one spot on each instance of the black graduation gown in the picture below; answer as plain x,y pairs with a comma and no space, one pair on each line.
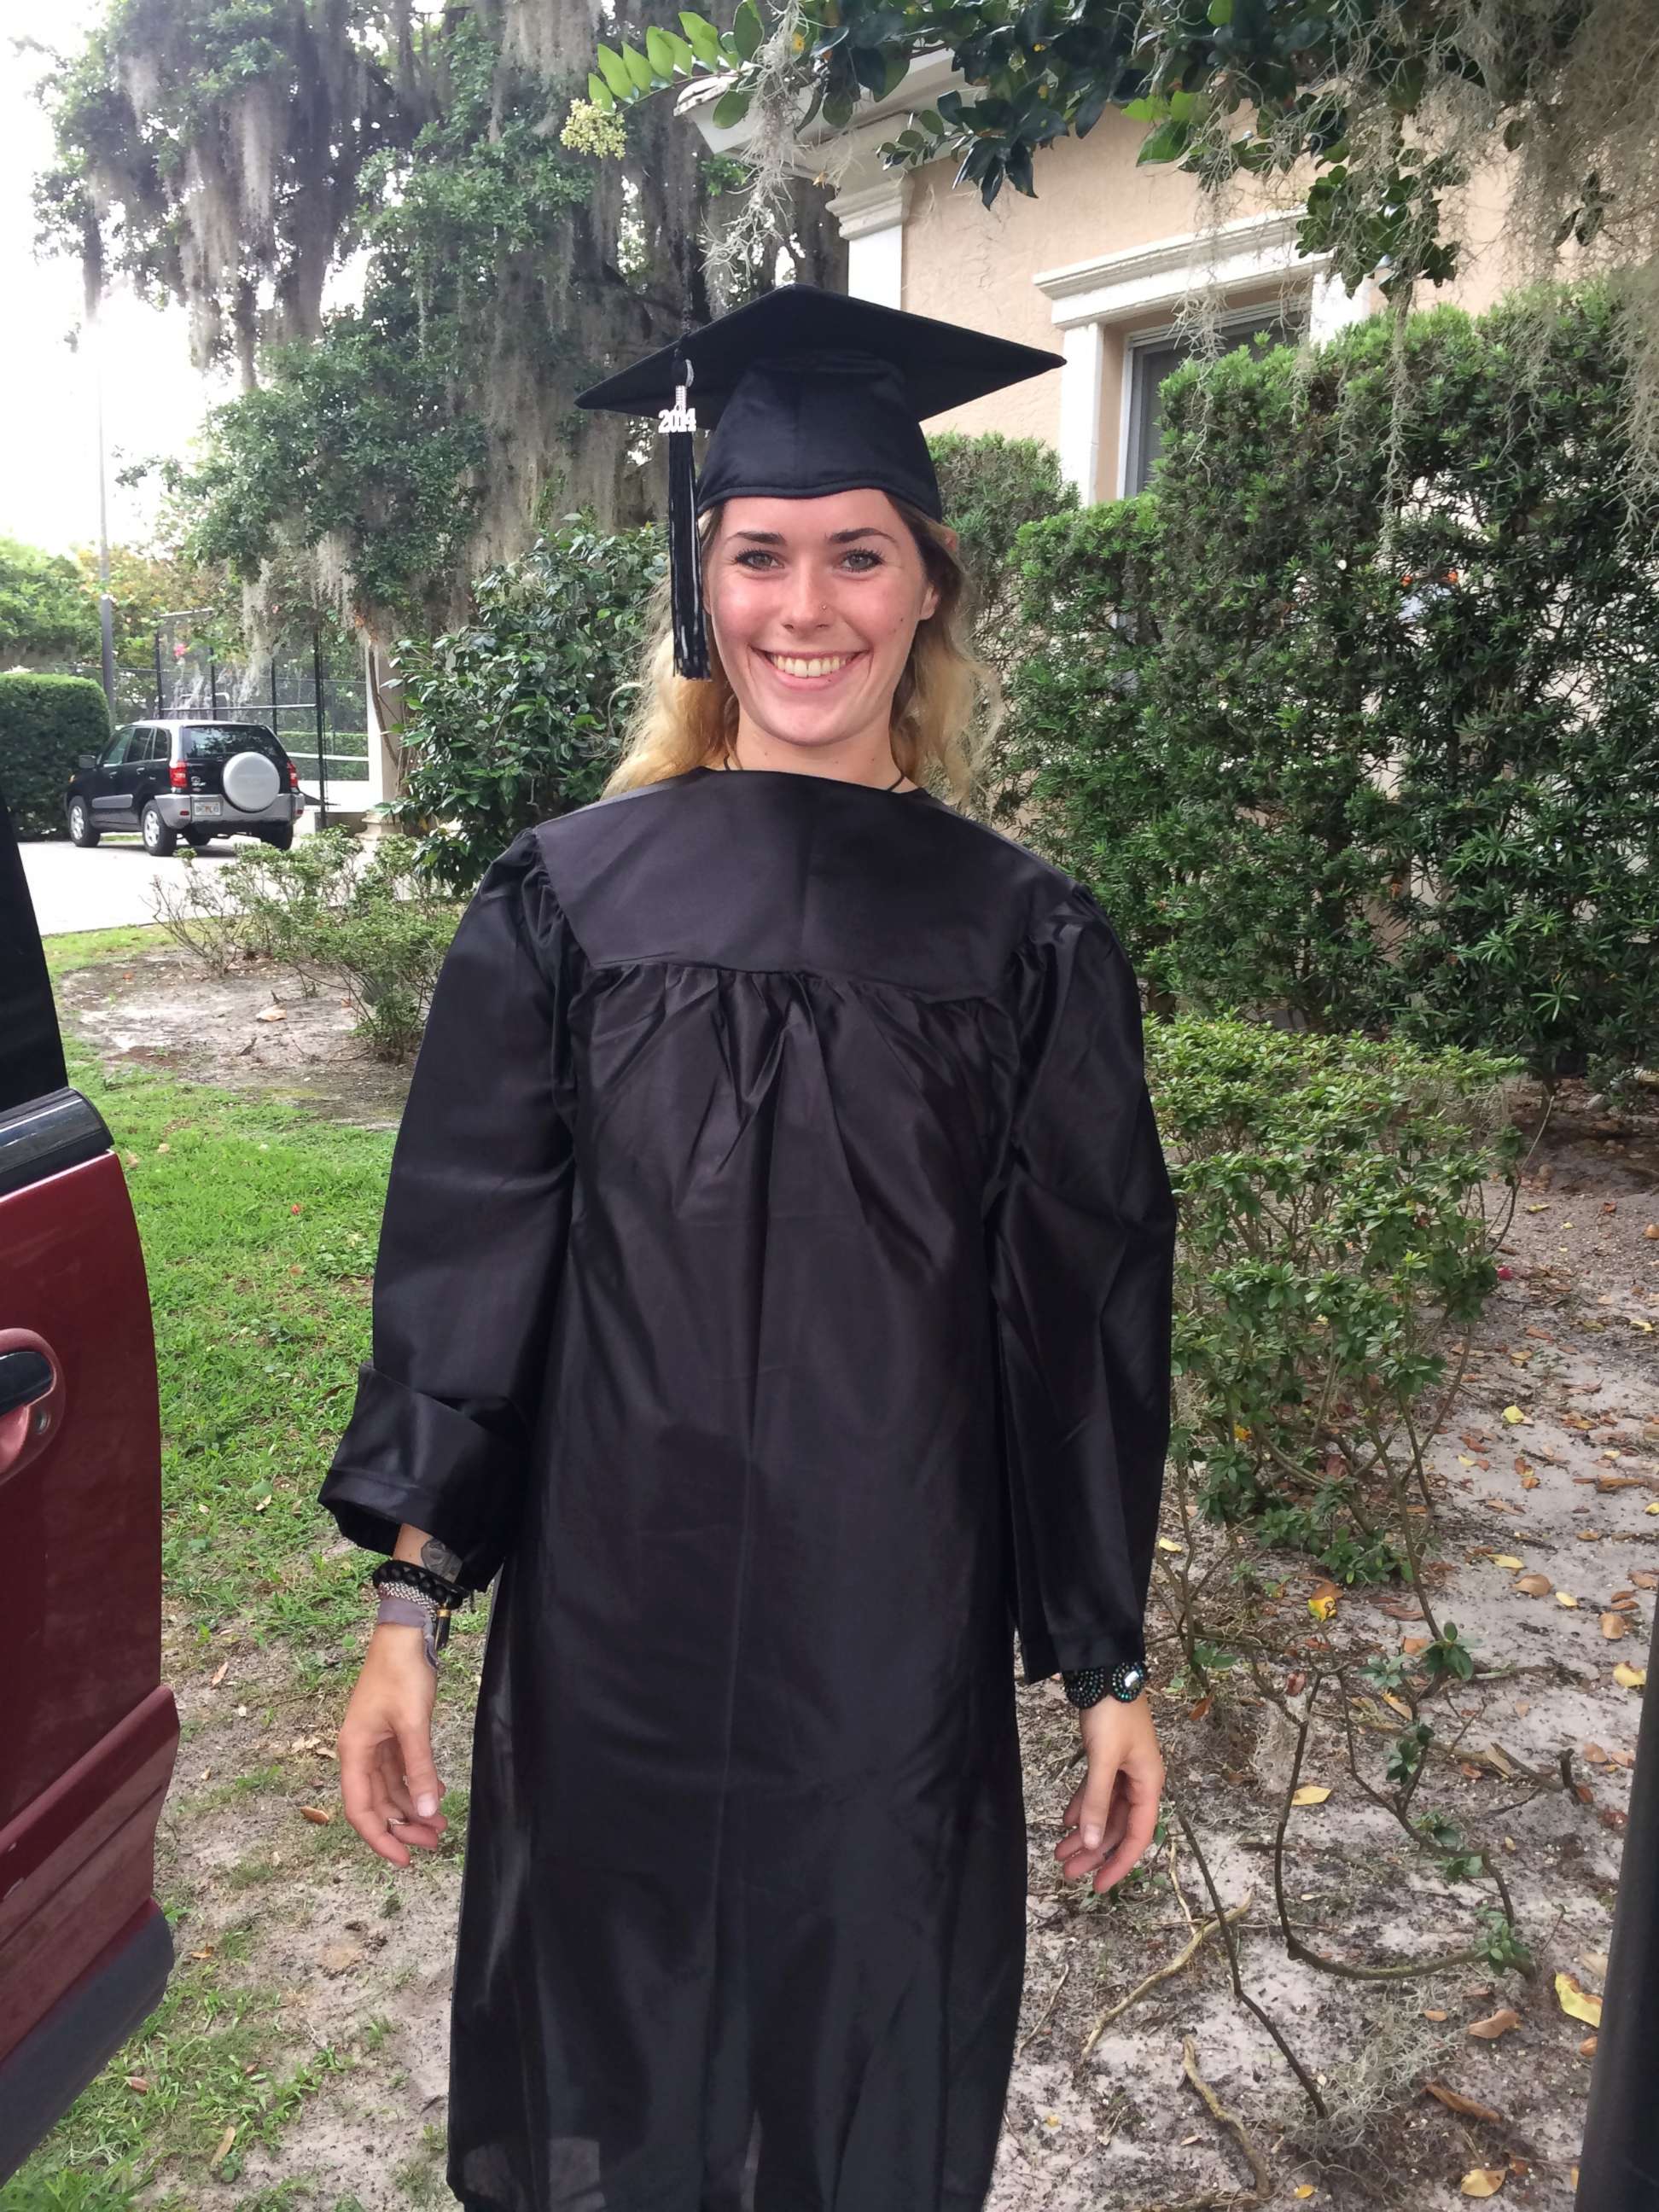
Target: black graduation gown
775,1285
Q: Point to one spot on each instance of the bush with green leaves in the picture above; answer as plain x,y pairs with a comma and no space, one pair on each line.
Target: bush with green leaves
1407,784
47,722
1334,1248
519,716
331,912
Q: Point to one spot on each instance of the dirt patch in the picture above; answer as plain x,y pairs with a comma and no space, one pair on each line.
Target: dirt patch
255,1030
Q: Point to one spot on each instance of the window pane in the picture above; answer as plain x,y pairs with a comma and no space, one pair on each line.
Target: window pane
1150,364
217,741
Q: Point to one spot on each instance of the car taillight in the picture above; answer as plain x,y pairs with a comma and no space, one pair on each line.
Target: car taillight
293,777
178,776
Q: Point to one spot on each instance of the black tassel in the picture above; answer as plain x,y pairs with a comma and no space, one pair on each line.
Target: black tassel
679,422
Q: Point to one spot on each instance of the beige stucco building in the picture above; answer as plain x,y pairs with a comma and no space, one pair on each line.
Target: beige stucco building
1094,267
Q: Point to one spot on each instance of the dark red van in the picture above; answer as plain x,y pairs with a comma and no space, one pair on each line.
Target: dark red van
87,1729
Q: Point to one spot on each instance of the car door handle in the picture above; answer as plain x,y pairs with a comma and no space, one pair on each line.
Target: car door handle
25,1376
31,1397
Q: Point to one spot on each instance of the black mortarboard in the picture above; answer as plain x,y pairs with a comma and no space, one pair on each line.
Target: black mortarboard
807,393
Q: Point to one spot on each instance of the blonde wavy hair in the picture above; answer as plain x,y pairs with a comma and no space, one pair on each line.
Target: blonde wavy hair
947,703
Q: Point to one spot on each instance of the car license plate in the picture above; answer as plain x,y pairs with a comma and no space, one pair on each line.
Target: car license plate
205,807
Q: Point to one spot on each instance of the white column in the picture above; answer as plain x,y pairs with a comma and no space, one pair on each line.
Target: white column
1332,308
384,782
872,220
1081,382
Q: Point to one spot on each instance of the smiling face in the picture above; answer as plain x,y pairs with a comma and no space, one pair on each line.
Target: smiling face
813,604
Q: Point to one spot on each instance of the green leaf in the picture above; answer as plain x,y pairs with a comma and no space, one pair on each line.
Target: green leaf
684,58
615,74
705,40
639,69
732,107
748,30
658,52
599,93
1220,13
898,68
1166,143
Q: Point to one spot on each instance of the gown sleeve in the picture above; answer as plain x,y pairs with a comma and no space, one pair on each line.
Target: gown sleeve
472,1237
1081,1225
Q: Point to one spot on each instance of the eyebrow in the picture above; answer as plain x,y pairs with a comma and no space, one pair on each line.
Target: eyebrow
835,537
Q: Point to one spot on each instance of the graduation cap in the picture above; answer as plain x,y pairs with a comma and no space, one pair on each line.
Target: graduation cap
806,393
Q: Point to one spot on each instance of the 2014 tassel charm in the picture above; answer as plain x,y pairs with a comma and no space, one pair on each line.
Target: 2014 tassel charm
678,423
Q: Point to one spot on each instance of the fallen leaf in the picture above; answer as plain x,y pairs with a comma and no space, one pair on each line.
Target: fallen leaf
1644,1580
1169,1544
1508,1559
1577,2003
272,1014
1456,2101
1411,1645
1513,1414
1495,2024
1614,1624
138,2085
219,1674
262,1503
1534,1585
1433,2012
318,1815
225,2143
1483,2181
1323,1603
1529,1482
1587,2048
1566,1597
1310,1794
1629,1677
1304,2189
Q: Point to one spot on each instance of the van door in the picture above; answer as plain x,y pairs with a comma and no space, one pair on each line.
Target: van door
90,1731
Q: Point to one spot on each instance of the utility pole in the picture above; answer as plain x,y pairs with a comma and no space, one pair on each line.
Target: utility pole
106,604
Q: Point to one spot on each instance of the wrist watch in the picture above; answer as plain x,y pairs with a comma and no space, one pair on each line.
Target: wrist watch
1087,1686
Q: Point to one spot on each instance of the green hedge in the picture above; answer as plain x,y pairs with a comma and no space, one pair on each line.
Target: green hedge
45,723
1419,794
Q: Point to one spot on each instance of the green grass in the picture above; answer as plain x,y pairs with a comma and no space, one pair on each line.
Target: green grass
87,948
152,2122
259,1226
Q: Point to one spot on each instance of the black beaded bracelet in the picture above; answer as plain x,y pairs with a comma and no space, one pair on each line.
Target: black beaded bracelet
406,1574
1087,1686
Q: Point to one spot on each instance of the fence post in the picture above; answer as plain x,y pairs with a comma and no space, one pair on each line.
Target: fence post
160,703
317,695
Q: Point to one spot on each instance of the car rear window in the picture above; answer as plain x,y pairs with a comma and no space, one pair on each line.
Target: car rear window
217,741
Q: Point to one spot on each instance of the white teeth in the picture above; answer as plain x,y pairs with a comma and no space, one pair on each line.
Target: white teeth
821,667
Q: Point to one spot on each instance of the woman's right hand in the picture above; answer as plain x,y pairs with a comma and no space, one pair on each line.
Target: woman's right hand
388,1778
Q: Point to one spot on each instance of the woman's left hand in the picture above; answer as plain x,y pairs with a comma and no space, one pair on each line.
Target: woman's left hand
1113,1814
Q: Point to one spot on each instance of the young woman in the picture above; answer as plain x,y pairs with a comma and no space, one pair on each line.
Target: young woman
774,1290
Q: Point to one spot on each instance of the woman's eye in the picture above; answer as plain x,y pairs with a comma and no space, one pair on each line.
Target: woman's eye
754,554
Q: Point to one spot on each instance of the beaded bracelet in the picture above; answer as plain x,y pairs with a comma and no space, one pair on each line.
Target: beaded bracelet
416,1585
1087,1686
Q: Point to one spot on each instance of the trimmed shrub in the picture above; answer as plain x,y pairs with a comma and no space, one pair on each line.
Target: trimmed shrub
1414,787
518,717
1335,1247
47,722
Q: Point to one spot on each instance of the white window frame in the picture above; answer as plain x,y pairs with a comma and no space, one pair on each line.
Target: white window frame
1120,290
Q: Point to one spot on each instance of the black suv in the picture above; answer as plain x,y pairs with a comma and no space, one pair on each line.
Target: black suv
194,780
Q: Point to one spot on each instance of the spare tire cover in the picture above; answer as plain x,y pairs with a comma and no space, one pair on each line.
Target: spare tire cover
251,782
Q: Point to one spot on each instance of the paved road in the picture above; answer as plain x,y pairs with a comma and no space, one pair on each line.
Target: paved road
110,885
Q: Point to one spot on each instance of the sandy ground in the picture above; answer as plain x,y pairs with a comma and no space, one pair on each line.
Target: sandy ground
1551,1459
